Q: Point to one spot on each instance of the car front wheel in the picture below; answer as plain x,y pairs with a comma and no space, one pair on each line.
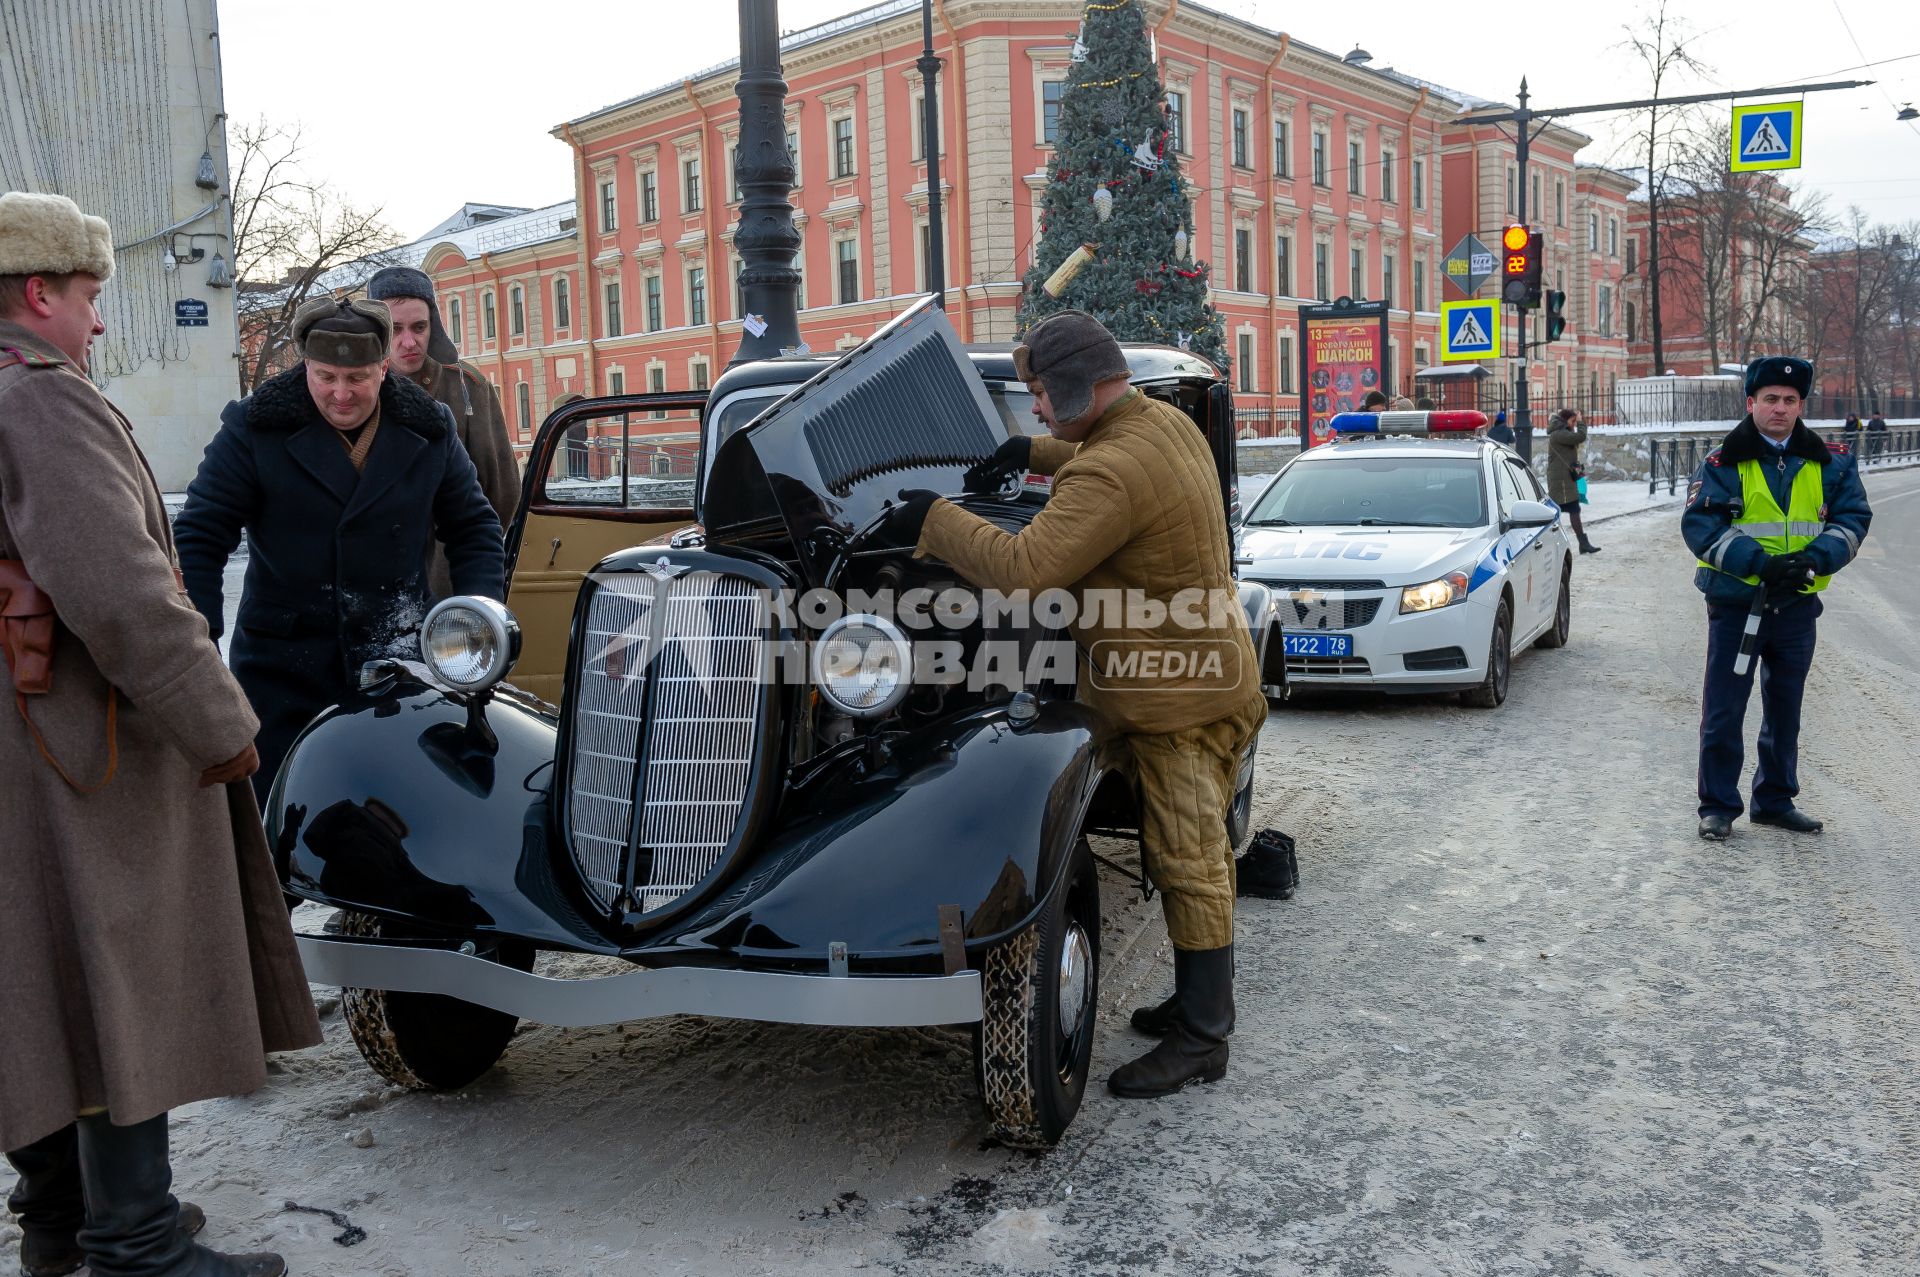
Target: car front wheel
1556,635
426,1041
1493,688
1039,992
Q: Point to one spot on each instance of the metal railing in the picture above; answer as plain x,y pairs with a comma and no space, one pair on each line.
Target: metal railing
1673,459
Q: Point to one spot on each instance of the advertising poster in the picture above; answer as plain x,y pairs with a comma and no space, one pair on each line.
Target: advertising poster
1343,356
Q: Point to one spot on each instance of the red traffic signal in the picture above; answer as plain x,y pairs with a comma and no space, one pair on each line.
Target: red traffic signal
1520,266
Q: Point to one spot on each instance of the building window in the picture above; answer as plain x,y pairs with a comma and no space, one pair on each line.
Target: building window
562,303
1243,260
1283,370
1386,279
1536,205
1420,357
1322,271
1050,91
1632,328
800,269
926,256
486,315
920,130
1419,183
1593,232
649,196
517,311
733,173
1613,237
1282,153
847,263
1246,363
1511,188
734,266
1283,265
1354,186
616,382
657,383
700,374
1239,138
656,317
1633,255
612,293
1319,158
793,153
607,208
1357,273
1603,317
1419,283
1560,202
843,147
690,185
1386,176
456,321
697,295
1177,120
523,400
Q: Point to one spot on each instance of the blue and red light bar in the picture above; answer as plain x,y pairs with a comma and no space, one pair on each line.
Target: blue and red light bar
1451,422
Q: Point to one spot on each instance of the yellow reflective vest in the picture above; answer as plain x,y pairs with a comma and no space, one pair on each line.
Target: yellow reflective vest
1781,531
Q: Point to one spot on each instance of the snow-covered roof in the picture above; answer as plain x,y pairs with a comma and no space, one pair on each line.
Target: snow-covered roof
472,214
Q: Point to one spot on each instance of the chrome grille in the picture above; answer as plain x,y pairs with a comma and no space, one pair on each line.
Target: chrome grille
693,644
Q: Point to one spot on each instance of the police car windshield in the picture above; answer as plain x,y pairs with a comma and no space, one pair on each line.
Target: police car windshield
1364,491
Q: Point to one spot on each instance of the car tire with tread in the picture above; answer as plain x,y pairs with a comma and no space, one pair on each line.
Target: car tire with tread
1240,814
426,1041
1031,1065
1493,688
1556,635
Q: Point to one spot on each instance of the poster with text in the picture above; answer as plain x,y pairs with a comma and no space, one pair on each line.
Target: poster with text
1345,359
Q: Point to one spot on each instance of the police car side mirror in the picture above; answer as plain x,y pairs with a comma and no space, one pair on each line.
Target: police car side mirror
1531,514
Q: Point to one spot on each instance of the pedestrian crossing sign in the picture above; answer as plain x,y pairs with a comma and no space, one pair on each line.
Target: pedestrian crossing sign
1766,135
1470,329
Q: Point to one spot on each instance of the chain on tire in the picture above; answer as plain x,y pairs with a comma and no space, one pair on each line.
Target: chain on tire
1008,989
368,1018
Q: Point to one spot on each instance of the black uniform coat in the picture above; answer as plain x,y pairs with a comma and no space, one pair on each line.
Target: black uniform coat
337,573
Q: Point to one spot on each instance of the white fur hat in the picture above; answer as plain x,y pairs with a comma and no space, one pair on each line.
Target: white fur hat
49,235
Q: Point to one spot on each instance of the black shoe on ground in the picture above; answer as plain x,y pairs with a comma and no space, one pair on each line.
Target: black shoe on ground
1195,1047
1270,869
48,1199
1715,828
1588,547
1793,820
133,1224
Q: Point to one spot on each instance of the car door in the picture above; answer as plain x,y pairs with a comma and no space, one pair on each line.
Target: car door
1545,551
1519,555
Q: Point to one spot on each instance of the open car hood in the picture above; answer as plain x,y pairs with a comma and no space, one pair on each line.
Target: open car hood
904,409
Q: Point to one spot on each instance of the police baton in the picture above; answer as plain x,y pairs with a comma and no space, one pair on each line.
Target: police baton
1750,636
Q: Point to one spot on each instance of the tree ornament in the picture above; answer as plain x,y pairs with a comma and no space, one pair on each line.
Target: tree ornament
1102,203
1144,155
1080,44
1180,243
1063,273
1186,341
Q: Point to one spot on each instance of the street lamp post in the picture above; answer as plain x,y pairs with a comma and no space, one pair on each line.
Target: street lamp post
930,145
765,237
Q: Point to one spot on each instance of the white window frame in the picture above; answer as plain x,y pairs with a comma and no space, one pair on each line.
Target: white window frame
563,302
653,289
852,170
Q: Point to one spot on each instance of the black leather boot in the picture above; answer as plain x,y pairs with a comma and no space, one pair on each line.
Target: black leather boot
1195,1047
1586,546
51,1208
1157,1021
133,1224
1791,819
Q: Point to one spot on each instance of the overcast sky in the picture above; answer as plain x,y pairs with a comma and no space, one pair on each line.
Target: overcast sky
421,105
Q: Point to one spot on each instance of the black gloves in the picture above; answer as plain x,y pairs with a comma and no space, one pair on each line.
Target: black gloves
1785,575
1009,459
910,515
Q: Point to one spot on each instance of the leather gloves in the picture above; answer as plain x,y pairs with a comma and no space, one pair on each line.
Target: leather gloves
910,515
1009,459
1785,575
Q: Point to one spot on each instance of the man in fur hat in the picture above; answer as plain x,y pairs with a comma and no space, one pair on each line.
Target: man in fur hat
1135,510
423,352
1772,514
147,958
342,476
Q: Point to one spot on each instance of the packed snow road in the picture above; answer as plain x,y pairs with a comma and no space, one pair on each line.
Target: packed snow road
1518,1020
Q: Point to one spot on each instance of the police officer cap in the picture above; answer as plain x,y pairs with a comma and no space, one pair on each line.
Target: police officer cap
1780,370
346,334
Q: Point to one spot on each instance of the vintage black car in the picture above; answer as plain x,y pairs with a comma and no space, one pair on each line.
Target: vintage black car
840,846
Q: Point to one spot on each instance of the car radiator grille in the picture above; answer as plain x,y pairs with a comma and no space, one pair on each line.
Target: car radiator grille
668,702
1331,613
1324,666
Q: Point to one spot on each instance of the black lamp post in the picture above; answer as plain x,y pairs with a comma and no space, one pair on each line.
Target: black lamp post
930,145
765,237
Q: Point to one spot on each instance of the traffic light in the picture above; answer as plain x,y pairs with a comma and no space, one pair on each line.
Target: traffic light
1520,266
1556,321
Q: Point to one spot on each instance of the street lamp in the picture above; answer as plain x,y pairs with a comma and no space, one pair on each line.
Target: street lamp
765,236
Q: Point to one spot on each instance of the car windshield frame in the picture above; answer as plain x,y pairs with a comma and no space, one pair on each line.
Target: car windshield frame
1319,507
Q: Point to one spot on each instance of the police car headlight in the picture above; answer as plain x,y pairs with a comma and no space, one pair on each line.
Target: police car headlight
469,642
1448,590
863,665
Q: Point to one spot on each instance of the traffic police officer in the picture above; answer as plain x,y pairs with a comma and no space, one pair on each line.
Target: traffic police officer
1771,515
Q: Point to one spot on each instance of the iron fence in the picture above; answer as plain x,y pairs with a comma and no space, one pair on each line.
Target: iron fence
1672,459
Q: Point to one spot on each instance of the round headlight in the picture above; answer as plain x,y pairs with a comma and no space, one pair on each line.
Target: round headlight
863,665
469,642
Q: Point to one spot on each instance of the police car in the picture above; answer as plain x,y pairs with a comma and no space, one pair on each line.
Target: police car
1410,555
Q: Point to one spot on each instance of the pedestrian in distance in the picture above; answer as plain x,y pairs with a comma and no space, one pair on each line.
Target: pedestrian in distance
1376,401
1403,404
1135,509
1876,436
1500,431
1850,433
146,960
424,353
343,476
1771,515
1565,470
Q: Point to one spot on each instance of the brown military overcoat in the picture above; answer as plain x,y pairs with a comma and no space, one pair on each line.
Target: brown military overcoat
482,426
146,958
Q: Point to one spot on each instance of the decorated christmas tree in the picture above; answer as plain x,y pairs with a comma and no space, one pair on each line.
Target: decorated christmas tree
1116,223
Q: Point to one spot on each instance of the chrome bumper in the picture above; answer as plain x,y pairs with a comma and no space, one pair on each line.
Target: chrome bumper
848,1001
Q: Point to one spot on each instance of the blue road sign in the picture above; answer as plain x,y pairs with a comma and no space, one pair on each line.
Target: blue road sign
1766,135
1470,329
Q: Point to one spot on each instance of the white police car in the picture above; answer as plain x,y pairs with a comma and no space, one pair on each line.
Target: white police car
1410,555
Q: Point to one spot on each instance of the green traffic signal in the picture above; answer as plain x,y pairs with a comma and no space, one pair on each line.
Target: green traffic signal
1556,321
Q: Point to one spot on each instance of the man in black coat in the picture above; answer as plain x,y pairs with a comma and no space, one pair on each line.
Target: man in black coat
342,478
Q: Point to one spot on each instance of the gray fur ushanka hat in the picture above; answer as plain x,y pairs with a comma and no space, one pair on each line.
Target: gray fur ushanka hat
1070,352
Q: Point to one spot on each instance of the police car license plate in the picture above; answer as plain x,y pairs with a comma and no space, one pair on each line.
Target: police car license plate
1317,644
